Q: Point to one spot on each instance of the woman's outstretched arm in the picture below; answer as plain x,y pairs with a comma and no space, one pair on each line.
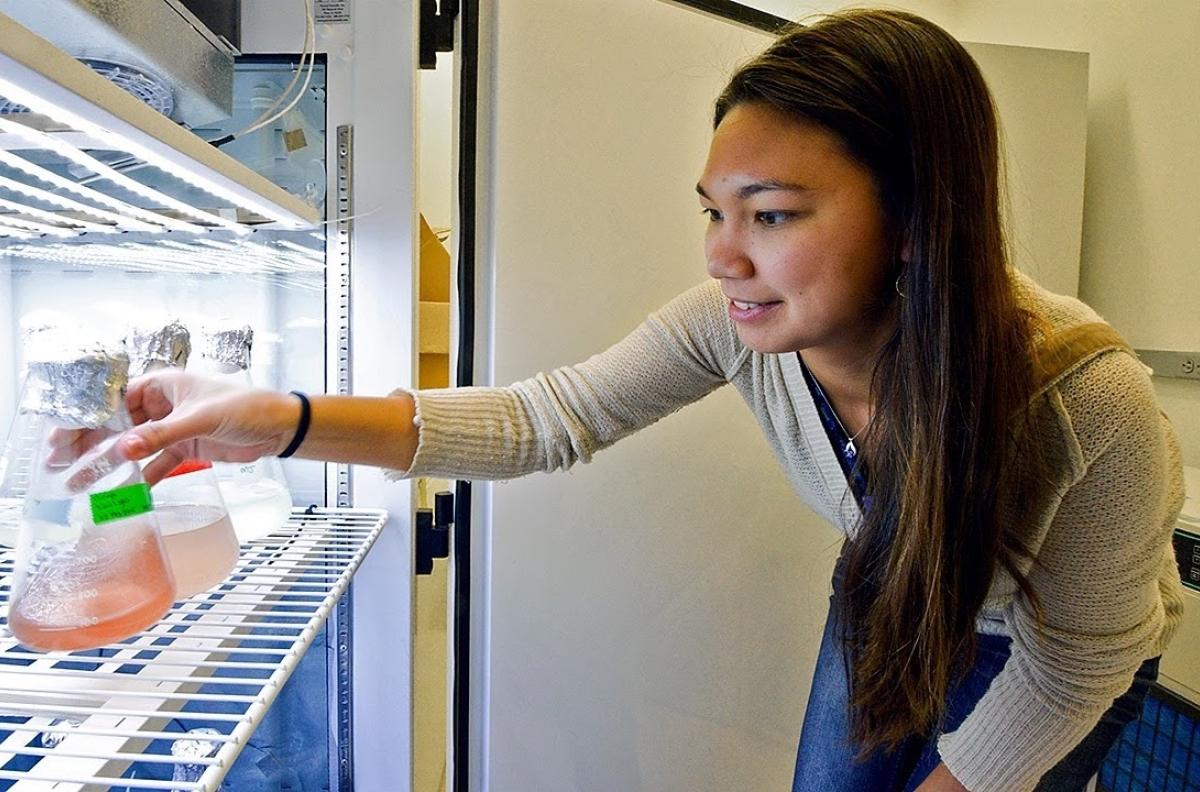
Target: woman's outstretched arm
184,416
548,422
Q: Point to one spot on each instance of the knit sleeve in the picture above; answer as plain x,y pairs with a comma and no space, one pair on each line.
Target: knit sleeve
1096,575
551,421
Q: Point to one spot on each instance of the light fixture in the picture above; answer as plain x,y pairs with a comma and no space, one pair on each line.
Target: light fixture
15,234
55,220
49,82
119,221
188,254
9,222
47,142
136,218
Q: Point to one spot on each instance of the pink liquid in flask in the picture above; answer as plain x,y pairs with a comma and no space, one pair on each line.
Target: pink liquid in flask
197,533
200,543
98,591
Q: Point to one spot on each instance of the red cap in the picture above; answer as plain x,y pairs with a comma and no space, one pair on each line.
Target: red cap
189,466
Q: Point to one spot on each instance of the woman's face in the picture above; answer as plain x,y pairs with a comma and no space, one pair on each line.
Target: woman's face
797,236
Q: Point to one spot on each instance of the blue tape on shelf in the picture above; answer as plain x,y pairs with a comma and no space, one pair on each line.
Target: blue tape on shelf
1159,752
288,751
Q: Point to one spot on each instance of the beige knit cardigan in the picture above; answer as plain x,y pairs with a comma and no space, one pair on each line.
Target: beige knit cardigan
1104,572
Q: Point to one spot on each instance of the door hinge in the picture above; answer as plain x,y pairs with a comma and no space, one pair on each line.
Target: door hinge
433,531
437,30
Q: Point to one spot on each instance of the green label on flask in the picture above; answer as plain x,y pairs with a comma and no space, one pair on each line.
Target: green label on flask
122,502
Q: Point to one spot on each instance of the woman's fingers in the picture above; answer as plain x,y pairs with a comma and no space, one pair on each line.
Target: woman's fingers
154,436
152,397
94,469
164,463
62,438
217,421
63,446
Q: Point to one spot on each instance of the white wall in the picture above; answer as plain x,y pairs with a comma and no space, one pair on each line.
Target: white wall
435,142
1141,225
1041,100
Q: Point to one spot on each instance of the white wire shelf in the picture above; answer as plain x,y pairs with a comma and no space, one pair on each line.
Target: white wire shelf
216,660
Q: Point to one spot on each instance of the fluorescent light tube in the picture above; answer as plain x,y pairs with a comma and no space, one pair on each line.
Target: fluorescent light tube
42,140
50,82
57,220
8,221
121,222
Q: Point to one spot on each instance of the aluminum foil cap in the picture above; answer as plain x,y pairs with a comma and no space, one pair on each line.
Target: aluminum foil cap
84,390
230,346
160,347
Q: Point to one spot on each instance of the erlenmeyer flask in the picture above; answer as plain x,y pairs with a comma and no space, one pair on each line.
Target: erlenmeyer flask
196,530
90,564
255,493
44,336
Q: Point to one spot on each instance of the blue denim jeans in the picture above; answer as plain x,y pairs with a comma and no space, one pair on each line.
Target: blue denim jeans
826,760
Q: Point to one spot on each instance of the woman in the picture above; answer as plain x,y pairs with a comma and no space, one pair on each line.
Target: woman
993,451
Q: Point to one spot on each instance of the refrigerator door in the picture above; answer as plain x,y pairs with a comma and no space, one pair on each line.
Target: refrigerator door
650,620
371,50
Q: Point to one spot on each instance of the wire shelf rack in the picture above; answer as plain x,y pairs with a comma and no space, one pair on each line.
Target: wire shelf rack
216,660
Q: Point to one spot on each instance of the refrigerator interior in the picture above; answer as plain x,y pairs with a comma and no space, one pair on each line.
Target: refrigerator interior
272,280
102,286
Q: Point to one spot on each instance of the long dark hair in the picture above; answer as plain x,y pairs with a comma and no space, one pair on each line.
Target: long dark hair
909,103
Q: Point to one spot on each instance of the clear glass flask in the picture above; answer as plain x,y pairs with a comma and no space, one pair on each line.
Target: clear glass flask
255,493
196,530
195,525
90,564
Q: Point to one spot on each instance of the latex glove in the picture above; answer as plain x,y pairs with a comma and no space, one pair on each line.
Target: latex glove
189,417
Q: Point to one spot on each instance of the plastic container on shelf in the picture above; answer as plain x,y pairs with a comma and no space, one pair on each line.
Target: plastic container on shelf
90,565
255,493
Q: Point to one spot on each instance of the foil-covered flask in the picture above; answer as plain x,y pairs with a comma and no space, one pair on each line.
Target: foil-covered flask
156,347
91,568
226,350
256,493
201,545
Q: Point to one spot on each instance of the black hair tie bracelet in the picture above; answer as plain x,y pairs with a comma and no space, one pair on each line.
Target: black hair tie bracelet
302,428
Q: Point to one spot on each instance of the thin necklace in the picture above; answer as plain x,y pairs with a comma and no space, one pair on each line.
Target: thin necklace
850,450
